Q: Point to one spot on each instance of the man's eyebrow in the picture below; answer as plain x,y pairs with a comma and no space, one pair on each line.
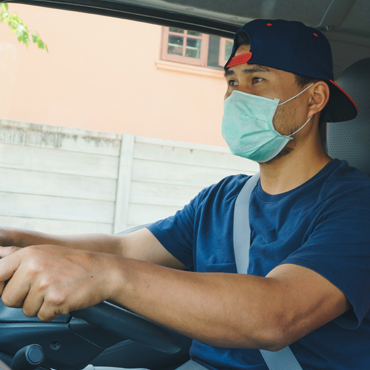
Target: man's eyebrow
229,72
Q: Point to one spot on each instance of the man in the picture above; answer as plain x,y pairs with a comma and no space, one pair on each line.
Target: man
309,267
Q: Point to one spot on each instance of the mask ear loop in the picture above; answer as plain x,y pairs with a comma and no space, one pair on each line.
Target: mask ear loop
286,101
300,128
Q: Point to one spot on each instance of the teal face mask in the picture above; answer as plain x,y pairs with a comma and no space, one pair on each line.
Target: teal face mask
248,129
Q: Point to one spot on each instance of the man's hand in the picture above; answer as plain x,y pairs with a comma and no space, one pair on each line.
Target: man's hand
220,309
47,281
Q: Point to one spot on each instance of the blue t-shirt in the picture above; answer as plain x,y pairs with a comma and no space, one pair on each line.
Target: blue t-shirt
323,225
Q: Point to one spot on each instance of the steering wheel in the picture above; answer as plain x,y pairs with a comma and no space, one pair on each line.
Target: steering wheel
114,319
127,324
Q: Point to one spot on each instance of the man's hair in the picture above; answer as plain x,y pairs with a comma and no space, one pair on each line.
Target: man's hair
243,39
302,81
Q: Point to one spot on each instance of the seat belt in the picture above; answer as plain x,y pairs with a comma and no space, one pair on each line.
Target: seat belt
283,359
191,365
280,360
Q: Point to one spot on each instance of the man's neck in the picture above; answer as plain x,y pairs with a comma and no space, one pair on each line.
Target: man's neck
294,169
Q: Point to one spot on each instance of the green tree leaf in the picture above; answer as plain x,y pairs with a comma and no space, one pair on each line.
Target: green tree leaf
16,18
4,16
25,38
40,44
20,28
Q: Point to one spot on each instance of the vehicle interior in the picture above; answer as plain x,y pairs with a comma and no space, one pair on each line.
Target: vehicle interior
110,336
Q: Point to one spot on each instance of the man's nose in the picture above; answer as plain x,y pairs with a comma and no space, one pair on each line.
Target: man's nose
244,89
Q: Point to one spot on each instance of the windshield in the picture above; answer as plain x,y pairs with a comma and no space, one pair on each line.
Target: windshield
118,124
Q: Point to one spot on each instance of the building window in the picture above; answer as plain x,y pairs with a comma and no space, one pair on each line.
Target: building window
226,47
191,47
184,46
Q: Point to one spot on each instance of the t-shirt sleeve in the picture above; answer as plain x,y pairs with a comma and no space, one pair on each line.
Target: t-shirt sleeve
338,248
176,233
179,234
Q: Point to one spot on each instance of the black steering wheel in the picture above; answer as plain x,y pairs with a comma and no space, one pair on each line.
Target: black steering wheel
114,319
127,324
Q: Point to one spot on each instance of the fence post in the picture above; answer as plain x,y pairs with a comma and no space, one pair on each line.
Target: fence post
123,183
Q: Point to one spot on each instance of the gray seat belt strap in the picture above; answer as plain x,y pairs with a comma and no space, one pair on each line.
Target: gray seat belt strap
191,365
242,231
283,359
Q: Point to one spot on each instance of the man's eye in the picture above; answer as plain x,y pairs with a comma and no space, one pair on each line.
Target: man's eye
232,83
257,79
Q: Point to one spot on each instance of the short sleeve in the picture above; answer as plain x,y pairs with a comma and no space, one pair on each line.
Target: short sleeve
338,248
176,233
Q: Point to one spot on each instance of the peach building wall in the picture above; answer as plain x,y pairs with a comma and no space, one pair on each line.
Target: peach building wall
105,74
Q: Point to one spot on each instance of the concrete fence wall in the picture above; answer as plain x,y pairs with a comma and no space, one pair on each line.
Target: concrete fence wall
66,181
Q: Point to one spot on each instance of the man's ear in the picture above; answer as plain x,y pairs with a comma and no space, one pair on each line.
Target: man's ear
320,94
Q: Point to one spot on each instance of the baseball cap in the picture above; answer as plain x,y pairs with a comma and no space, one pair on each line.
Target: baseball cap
293,47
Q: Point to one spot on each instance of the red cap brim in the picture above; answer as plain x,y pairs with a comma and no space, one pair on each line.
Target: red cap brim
239,59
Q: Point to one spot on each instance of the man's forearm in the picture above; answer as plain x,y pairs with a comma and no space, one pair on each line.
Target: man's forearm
229,310
89,242
140,244
219,309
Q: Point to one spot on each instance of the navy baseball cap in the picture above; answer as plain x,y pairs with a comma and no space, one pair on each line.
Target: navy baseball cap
293,47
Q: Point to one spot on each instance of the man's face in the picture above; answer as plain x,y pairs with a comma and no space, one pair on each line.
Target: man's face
270,83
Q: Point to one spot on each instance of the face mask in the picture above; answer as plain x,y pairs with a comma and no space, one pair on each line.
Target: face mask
248,129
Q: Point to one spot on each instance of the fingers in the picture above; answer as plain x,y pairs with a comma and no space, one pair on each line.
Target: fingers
45,301
31,287
50,310
14,284
8,266
25,279
15,291
6,251
16,272
48,281
32,303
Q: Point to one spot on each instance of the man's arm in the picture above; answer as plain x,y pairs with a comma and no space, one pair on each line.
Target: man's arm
140,244
232,310
225,310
